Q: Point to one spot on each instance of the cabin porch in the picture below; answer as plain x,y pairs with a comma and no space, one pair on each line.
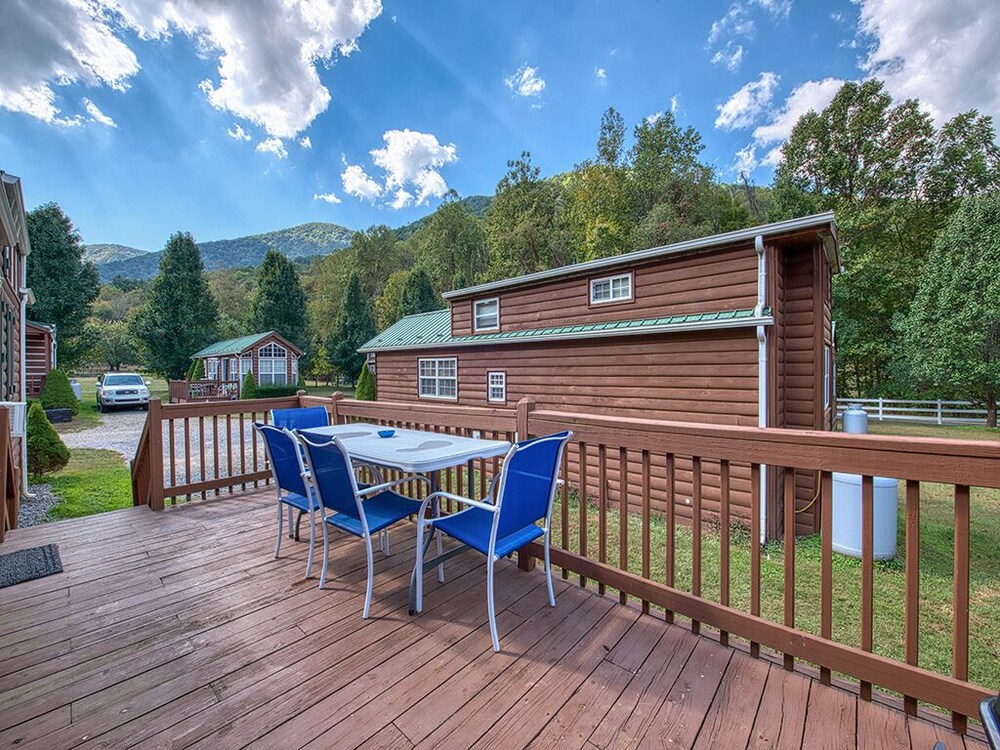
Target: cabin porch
179,629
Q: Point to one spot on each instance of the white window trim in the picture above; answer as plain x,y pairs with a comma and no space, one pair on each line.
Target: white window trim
437,360
267,368
611,279
475,317
502,385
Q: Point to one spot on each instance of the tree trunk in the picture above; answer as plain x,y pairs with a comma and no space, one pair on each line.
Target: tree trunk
991,408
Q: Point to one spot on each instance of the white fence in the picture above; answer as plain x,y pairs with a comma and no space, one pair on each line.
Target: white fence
901,410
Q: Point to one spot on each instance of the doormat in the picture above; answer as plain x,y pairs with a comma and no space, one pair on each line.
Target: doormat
28,564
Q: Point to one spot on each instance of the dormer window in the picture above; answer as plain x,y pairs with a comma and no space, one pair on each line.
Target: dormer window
486,315
611,289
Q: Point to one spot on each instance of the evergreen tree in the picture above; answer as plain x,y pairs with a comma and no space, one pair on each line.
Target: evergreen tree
279,303
197,370
353,328
249,388
57,393
418,294
365,390
179,315
387,305
64,286
320,368
46,450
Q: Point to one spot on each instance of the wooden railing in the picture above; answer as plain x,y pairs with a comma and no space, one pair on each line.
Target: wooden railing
183,391
647,501
10,477
905,410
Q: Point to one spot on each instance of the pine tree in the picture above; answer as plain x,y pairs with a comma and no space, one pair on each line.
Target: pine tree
353,328
279,304
418,294
57,393
179,315
365,390
248,388
64,286
46,450
320,367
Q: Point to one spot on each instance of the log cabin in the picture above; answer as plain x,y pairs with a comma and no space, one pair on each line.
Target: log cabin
39,355
272,358
732,329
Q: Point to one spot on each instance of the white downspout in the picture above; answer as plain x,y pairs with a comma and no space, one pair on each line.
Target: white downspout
758,243
24,374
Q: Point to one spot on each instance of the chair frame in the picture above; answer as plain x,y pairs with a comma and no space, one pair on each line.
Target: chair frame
359,497
496,490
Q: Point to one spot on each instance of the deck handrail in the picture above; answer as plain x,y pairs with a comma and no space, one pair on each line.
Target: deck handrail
689,474
10,478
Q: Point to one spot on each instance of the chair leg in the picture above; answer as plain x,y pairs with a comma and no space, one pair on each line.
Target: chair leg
385,543
291,526
548,572
312,541
440,552
489,604
371,575
277,546
326,554
418,569
298,522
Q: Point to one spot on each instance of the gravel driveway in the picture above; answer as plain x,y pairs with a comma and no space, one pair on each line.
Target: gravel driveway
119,432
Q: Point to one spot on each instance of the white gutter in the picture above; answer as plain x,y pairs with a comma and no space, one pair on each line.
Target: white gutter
758,243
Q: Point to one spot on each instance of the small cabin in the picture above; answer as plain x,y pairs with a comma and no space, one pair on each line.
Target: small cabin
39,355
733,329
272,358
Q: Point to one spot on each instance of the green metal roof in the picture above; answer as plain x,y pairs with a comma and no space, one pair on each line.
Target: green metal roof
433,329
230,346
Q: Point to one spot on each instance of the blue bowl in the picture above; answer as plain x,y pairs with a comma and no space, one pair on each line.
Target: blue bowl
386,433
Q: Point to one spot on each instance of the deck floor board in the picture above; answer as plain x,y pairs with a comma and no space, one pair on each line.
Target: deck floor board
180,630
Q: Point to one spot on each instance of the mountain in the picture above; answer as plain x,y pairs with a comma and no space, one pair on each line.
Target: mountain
478,205
101,254
303,241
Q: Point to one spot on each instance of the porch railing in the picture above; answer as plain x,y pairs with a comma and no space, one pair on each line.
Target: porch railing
10,477
182,391
646,501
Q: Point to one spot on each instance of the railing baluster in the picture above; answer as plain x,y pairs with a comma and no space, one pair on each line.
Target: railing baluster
173,458
623,515
789,555
602,509
724,523
229,447
201,466
215,449
960,595
646,482
867,571
826,565
583,506
670,518
695,534
187,453
912,611
243,450
253,447
564,509
755,549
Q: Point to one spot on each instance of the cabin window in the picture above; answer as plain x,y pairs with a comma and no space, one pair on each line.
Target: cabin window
496,387
486,314
272,365
212,369
295,370
437,378
611,289
246,365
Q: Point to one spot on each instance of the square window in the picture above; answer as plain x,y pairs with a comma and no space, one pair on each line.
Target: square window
437,378
496,387
611,289
486,314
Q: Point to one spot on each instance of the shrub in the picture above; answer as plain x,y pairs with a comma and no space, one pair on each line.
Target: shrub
196,371
46,451
276,391
365,390
249,388
58,393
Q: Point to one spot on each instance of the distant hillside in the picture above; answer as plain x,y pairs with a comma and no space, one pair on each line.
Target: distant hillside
101,254
477,204
303,241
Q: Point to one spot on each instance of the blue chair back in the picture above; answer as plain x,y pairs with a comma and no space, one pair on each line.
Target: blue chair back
301,418
529,481
285,459
333,476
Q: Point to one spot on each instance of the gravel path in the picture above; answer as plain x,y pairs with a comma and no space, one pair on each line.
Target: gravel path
120,432
34,511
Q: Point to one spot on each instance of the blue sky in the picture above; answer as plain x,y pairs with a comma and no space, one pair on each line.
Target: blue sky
191,114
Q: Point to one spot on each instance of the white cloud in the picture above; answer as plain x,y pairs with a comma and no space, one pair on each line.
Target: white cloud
777,8
601,74
326,197
403,198
653,117
525,81
357,183
746,106
411,157
273,146
731,57
237,133
811,95
746,160
69,42
941,53
675,102
97,115
736,22
306,142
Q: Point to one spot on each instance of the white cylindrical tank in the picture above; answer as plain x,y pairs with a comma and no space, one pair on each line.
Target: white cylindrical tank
77,391
847,515
855,419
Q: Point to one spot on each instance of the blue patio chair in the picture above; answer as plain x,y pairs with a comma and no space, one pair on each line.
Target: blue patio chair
345,505
291,481
300,418
524,491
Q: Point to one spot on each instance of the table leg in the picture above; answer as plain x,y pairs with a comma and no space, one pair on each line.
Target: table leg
427,546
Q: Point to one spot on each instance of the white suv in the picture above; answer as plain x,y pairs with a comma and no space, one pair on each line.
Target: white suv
122,389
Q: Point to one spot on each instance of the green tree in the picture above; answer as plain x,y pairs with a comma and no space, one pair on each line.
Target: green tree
365,390
952,333
279,304
320,367
611,139
115,345
418,294
375,254
57,393
197,370
249,388
179,315
451,245
46,450
354,327
387,304
64,286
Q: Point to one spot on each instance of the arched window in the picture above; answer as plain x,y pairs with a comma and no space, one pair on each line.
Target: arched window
272,365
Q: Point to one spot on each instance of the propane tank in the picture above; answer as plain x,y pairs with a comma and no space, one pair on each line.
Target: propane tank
855,419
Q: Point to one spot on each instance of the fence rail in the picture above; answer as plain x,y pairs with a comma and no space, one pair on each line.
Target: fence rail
904,410
182,391
625,477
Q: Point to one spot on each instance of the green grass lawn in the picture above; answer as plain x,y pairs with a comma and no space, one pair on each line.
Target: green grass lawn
948,431
93,481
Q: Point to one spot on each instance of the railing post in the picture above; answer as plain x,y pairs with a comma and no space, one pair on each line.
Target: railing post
525,560
940,415
334,407
880,408
155,417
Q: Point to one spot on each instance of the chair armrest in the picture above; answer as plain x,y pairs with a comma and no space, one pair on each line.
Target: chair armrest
375,471
464,501
389,485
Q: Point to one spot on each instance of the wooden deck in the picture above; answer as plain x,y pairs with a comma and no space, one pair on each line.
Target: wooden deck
179,629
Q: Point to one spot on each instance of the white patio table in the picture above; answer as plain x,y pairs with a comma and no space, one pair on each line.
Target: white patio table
412,452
